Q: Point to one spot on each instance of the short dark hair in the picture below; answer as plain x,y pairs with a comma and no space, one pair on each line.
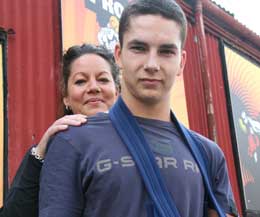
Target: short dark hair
74,53
77,51
168,9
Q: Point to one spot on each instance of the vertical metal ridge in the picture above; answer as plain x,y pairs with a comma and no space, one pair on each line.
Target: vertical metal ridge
33,63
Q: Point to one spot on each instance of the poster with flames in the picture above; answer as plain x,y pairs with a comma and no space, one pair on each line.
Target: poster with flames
97,22
243,82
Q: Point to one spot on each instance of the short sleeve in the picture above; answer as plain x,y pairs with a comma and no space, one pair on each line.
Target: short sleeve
218,173
61,192
221,184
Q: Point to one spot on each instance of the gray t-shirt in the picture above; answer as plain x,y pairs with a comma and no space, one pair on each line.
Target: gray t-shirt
88,171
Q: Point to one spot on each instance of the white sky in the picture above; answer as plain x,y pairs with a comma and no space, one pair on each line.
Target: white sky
245,11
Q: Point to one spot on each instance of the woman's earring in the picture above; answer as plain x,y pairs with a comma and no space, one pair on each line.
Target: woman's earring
68,109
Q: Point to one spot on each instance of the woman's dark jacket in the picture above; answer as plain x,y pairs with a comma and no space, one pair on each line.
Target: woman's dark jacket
22,198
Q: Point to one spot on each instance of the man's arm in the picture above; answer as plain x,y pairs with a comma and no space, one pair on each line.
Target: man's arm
219,177
61,193
221,186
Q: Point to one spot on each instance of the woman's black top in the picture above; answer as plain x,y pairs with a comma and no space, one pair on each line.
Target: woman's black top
22,198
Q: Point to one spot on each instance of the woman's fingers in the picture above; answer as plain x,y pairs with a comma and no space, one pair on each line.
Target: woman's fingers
59,125
73,120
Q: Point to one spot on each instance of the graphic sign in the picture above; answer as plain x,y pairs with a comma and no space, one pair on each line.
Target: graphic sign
243,82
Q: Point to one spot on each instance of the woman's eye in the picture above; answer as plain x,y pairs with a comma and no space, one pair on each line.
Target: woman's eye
80,82
104,80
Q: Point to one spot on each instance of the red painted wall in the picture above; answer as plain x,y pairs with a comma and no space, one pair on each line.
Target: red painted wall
193,85
33,57
221,113
196,102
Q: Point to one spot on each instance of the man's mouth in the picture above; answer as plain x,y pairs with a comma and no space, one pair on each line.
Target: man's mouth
149,81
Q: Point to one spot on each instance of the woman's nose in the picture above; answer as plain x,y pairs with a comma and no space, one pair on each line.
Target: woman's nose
93,87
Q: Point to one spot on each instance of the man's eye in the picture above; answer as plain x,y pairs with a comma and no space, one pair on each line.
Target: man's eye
80,82
138,48
167,52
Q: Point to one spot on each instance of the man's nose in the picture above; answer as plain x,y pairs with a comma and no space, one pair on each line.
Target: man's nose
152,63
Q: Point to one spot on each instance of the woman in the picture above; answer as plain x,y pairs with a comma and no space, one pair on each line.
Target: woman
89,85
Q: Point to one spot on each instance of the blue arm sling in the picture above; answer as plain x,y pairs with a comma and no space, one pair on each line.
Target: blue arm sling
132,136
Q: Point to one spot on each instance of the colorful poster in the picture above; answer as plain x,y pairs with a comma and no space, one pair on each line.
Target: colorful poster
97,21
91,21
243,81
1,128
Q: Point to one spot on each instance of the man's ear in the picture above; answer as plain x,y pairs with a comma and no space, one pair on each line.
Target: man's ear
117,55
183,62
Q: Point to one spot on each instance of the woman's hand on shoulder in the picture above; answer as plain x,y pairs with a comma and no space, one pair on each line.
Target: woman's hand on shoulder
59,125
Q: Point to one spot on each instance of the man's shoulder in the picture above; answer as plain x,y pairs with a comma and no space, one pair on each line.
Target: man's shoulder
97,130
214,156
211,148
99,118
94,123
95,126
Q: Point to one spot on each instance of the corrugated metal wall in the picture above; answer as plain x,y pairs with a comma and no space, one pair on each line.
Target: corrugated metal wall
196,102
220,111
32,71
193,85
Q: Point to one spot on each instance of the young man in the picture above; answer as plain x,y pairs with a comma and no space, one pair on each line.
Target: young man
89,170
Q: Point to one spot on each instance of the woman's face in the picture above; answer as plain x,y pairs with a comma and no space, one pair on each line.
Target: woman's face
91,87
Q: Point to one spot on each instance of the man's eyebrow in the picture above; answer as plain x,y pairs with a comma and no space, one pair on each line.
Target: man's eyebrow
136,42
142,43
168,46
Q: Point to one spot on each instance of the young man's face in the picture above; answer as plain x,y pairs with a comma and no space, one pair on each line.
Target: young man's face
151,57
